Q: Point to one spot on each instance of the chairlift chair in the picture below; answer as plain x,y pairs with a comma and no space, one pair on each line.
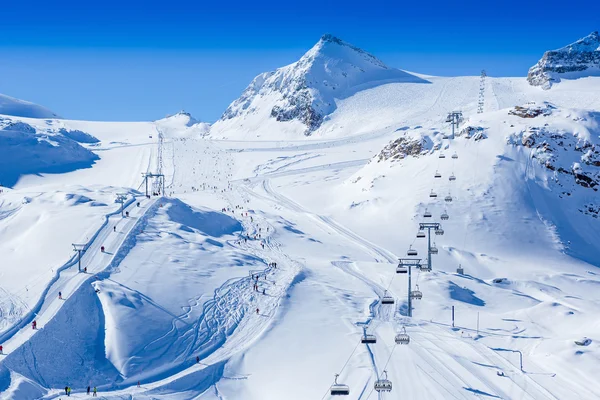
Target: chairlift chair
368,338
420,234
439,231
402,338
387,299
383,385
434,249
437,175
452,177
432,194
411,252
338,389
442,155
448,198
427,214
460,270
455,156
425,268
445,216
401,269
416,294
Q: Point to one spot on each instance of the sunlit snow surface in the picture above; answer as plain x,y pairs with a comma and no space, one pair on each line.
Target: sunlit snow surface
177,283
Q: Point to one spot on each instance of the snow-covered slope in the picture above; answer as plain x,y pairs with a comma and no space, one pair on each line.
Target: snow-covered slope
182,124
578,59
21,108
269,258
303,94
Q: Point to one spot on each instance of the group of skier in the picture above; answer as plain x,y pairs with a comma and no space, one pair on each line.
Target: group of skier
89,390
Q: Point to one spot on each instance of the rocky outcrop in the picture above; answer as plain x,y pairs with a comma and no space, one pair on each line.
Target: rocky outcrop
401,148
578,59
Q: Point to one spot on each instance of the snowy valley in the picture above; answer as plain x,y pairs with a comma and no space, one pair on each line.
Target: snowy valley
251,258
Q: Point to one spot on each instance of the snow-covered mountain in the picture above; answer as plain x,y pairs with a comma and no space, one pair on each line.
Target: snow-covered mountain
306,91
182,124
21,108
578,59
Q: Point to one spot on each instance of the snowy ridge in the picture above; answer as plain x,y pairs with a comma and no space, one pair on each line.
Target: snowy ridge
575,60
306,91
21,108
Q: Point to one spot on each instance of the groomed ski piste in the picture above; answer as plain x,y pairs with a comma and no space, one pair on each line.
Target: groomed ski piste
258,270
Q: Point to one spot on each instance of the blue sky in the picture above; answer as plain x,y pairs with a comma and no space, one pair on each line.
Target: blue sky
140,60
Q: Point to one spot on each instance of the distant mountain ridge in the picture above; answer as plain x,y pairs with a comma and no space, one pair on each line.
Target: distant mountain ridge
21,108
578,59
306,90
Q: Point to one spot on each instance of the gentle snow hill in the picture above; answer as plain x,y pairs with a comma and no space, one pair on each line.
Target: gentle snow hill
573,61
300,96
182,125
21,108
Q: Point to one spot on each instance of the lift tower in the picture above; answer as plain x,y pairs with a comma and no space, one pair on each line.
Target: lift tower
437,229
454,118
409,263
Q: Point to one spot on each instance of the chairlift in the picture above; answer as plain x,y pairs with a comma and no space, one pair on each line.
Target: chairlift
442,155
387,299
401,269
338,389
432,194
402,338
411,252
445,216
368,338
460,270
427,214
416,294
439,231
448,198
425,268
452,177
420,234
455,156
383,385
433,249
437,175
445,136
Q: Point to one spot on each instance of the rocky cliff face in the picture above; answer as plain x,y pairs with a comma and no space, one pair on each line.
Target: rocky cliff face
306,90
578,59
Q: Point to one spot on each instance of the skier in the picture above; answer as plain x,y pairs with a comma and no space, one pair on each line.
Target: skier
95,392
34,325
197,359
138,203
60,295
102,249
67,390
114,228
1,350
263,291
88,390
138,383
257,310
127,213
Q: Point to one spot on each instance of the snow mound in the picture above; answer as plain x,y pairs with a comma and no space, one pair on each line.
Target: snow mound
306,91
21,108
182,125
576,60
28,150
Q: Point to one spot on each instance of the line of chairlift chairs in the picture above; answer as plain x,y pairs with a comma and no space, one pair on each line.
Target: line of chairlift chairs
384,384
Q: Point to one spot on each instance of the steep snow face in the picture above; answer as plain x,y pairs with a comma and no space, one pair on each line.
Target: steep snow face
306,90
578,59
21,108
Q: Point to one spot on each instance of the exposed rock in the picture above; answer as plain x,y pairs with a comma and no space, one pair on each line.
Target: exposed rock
581,58
401,148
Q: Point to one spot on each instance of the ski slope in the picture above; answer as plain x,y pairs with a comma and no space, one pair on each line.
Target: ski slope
177,279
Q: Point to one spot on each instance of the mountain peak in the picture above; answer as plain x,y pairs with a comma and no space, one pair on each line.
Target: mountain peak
578,59
306,91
